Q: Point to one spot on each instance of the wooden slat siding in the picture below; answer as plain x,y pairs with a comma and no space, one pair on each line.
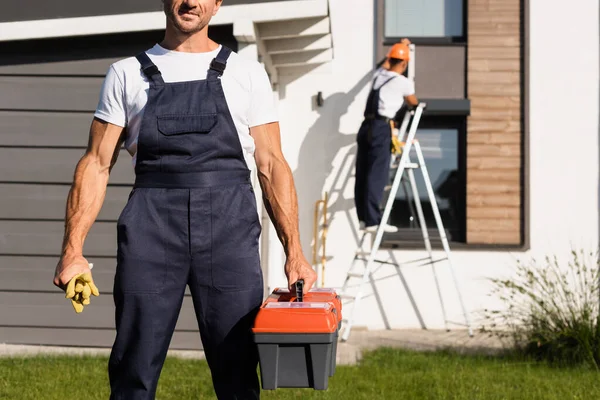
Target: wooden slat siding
498,212
483,29
18,237
44,129
55,166
494,137
95,67
493,150
493,65
481,177
50,93
34,274
53,310
67,336
498,237
48,202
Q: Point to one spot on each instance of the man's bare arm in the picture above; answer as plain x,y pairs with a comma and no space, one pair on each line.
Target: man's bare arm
281,202
86,197
411,100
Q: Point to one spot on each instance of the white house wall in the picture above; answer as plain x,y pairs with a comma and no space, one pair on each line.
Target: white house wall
563,145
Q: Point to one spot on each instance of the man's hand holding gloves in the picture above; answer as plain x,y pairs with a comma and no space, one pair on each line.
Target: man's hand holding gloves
80,289
75,278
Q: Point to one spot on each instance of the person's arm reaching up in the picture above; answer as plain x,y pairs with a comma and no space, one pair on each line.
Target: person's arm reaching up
277,184
86,197
411,100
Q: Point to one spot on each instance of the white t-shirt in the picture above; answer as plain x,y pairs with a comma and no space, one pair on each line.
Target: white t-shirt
391,96
247,89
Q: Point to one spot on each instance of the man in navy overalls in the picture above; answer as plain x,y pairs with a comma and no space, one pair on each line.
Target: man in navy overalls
191,218
389,91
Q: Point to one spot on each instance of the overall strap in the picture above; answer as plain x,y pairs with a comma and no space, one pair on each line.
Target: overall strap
384,83
218,64
372,108
150,69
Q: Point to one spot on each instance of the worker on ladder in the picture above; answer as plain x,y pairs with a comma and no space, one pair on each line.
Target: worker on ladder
389,92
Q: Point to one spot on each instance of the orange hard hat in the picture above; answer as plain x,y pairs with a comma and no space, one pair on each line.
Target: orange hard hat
399,51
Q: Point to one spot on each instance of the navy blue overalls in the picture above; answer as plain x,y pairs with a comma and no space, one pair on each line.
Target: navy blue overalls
372,160
191,219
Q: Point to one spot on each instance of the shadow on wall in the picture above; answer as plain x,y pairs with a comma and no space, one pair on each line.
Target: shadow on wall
320,147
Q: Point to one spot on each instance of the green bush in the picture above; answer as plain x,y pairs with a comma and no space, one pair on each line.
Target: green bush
551,312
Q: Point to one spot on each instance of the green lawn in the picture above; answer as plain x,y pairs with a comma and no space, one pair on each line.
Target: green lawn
383,374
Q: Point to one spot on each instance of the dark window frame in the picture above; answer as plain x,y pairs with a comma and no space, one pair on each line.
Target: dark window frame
411,238
426,40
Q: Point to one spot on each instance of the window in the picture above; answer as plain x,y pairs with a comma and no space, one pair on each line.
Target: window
424,18
442,144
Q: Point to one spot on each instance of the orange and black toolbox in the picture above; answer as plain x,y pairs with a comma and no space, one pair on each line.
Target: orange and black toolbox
296,335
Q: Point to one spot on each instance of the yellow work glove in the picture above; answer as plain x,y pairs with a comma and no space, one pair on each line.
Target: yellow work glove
79,290
396,146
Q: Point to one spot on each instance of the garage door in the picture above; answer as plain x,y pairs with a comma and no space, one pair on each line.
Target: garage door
48,92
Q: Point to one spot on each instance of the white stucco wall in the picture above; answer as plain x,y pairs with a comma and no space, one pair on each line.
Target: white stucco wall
564,163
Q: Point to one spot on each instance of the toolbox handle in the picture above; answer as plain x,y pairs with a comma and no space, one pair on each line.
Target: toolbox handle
299,285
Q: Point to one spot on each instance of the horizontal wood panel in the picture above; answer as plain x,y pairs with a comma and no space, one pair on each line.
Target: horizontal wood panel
479,2
50,93
498,40
53,310
501,237
482,30
496,17
39,10
35,274
496,102
101,338
502,7
494,188
494,89
493,150
45,238
478,162
56,129
496,114
55,166
507,77
494,212
485,200
493,224
498,53
492,65
482,177
493,138
33,201
92,67
505,126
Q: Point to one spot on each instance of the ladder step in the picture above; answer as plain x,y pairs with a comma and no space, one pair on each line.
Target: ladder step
379,261
411,165
354,274
347,296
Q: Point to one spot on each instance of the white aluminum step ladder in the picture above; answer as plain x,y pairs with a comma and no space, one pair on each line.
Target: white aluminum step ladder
368,257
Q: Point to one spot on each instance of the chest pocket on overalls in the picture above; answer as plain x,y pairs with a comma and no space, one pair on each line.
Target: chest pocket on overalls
170,125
